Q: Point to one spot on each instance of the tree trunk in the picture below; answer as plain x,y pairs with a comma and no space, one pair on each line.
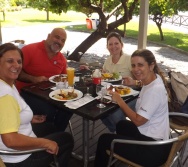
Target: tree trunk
3,15
47,15
158,19
83,47
160,31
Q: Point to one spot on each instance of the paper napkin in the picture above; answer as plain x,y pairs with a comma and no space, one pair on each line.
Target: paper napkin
80,102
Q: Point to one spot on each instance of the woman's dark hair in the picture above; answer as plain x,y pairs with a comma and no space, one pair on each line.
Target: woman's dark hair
149,57
7,47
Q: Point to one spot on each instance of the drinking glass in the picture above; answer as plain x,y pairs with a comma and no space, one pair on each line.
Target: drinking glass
70,76
101,91
87,82
60,85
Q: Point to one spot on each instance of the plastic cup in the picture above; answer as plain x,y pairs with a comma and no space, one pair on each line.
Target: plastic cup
70,76
60,85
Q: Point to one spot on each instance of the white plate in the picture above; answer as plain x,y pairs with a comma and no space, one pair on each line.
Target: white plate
55,92
112,80
132,92
52,77
76,79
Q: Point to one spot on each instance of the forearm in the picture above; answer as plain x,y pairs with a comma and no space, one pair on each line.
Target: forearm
24,77
132,115
21,142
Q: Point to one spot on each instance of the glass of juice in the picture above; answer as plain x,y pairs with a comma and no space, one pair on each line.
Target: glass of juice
70,76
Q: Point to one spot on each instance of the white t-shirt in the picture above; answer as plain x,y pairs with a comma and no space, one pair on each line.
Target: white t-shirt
152,104
123,66
16,116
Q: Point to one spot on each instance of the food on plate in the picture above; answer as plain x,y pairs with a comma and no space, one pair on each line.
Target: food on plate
122,90
60,78
116,75
107,75
65,95
110,76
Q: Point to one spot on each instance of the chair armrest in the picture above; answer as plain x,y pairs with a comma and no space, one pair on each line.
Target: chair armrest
18,152
137,142
178,114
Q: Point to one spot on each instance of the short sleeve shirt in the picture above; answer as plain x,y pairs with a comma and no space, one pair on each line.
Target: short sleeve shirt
37,63
152,104
15,116
123,66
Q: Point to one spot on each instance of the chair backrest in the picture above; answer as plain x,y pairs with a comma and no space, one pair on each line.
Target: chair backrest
178,120
1,163
176,148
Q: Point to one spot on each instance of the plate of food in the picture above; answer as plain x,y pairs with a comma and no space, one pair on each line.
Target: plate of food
123,90
111,77
58,78
65,94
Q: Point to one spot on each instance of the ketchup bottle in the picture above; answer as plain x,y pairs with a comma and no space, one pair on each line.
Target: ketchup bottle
96,78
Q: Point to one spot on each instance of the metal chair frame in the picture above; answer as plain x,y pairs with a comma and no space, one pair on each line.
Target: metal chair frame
177,150
17,152
174,154
179,127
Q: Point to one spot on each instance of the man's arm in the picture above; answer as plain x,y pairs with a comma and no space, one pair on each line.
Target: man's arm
24,77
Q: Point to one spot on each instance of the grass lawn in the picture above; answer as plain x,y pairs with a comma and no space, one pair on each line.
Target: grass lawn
29,16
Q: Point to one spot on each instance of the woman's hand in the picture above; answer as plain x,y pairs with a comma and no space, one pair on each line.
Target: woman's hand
115,96
51,147
128,81
38,119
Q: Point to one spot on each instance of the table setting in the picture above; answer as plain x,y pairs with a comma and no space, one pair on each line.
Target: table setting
71,97
77,89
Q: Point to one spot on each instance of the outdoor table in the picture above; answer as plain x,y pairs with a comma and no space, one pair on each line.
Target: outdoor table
88,112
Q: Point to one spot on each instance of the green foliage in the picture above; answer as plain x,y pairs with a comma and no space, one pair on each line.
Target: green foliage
21,2
57,6
12,3
39,4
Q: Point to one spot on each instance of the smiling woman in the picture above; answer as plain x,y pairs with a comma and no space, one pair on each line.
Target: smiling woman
18,116
10,63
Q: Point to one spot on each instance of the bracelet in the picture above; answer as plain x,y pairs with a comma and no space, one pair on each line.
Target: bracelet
138,83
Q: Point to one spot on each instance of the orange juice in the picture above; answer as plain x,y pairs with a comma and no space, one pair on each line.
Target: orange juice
70,76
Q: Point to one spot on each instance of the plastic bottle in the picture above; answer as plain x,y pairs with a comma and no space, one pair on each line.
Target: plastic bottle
96,78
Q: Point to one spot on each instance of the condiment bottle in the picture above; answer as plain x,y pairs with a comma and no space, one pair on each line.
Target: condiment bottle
96,78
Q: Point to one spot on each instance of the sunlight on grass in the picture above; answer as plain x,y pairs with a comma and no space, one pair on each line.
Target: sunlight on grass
28,17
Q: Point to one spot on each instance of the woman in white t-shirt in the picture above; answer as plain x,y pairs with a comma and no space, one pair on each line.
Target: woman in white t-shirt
150,122
16,117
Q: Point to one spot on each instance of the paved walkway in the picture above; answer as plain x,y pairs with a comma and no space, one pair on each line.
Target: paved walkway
167,57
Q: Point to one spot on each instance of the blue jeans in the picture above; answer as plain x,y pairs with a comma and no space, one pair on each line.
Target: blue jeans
111,121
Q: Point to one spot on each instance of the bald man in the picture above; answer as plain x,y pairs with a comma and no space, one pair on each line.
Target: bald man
41,61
